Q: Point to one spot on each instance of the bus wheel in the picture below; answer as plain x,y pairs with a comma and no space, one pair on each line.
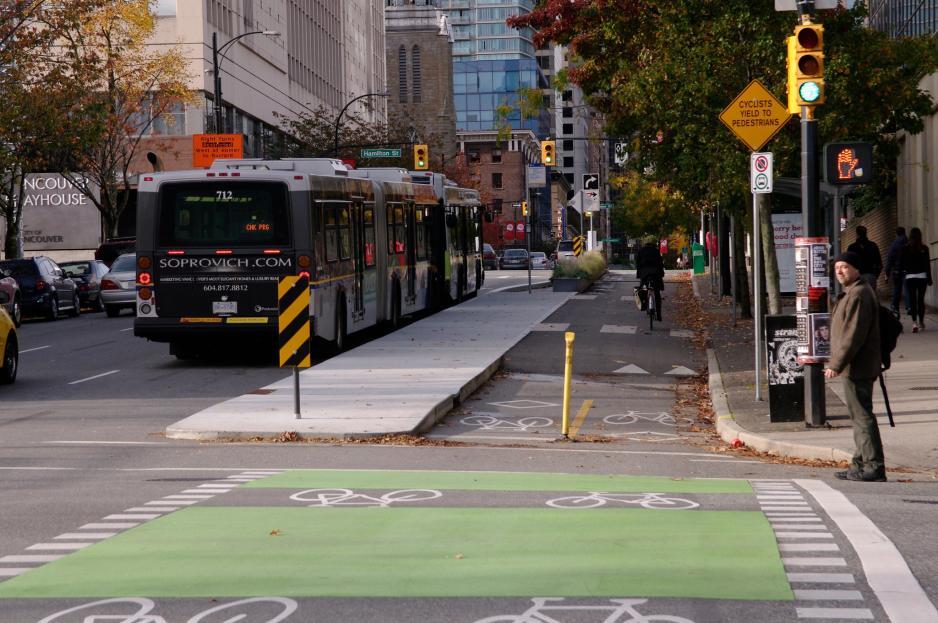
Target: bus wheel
341,331
183,352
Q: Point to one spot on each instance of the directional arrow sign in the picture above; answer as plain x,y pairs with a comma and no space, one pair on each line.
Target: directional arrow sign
590,181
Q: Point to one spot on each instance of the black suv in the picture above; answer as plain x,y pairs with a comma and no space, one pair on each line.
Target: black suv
44,287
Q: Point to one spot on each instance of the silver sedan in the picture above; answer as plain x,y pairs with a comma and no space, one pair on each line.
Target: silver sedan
119,285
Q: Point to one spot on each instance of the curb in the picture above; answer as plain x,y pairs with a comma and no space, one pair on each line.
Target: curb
729,429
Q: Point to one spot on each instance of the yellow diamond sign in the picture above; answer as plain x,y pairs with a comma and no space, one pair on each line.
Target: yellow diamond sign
755,115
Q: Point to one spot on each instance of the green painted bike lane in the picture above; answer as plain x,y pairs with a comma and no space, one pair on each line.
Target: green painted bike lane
414,550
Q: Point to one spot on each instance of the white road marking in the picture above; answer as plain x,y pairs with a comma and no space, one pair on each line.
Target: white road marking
206,490
683,333
109,526
12,571
619,328
803,507
32,558
681,371
57,546
804,535
863,614
778,496
887,572
188,497
127,329
29,350
147,509
630,369
142,517
828,595
808,547
823,578
96,376
799,519
583,297
814,562
784,526
173,502
86,535
220,485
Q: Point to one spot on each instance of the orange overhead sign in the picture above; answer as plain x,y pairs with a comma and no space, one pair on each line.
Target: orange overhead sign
206,148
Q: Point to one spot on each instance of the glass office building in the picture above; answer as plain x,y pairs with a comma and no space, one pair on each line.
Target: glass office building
491,63
904,18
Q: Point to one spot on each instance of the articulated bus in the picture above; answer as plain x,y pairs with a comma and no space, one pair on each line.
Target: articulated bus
376,245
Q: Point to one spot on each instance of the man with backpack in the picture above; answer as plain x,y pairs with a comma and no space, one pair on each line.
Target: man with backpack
855,355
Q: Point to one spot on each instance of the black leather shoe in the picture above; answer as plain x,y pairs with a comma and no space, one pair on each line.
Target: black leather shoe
873,476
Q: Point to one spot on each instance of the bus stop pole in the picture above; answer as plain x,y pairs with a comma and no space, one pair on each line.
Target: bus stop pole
296,392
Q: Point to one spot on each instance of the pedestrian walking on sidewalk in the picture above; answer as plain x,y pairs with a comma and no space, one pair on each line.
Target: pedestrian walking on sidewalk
894,271
855,356
869,255
917,268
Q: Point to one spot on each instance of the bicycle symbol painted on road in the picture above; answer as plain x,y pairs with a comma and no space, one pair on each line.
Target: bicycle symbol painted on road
491,422
347,497
618,610
139,609
596,499
631,417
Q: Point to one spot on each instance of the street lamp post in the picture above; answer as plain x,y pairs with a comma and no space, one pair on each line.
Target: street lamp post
217,55
335,142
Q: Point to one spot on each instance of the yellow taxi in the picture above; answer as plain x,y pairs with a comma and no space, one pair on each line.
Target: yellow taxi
9,346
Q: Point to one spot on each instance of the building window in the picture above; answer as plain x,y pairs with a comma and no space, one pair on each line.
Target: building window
415,68
474,157
496,156
568,162
567,145
568,96
567,112
568,128
165,8
496,180
248,14
402,74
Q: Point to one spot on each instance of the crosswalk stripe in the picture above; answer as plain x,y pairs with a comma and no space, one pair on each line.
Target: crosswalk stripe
57,546
814,562
828,595
12,571
859,614
823,578
808,547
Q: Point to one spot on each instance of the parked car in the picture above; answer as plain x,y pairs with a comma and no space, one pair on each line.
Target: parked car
45,288
87,276
515,258
9,344
113,248
14,304
119,285
489,258
564,250
539,261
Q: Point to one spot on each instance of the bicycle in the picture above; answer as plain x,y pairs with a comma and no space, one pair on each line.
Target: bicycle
646,299
618,609
596,499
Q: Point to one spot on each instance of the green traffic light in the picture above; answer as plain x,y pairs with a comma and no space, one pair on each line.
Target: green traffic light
809,91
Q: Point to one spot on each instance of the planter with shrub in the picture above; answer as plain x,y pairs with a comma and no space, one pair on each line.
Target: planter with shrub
577,274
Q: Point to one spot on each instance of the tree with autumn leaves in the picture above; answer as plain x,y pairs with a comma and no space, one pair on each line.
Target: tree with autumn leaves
85,89
663,70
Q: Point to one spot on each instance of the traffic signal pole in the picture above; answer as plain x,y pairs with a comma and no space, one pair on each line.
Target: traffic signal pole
812,222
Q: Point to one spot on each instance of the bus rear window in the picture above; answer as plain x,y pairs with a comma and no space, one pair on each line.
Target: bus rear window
225,214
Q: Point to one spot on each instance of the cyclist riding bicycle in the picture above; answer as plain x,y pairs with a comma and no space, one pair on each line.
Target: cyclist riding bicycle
650,270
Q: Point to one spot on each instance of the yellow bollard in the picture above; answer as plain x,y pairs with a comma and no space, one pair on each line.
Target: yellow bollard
567,373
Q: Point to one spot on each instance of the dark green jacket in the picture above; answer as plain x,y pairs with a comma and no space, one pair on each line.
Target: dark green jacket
855,333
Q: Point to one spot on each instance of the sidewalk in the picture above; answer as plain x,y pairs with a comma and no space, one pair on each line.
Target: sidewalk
401,383
912,382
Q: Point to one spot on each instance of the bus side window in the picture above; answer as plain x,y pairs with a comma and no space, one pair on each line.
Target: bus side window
332,234
391,240
421,235
369,236
345,234
400,239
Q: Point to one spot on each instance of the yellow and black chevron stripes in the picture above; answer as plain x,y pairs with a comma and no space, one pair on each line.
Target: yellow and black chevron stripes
293,323
578,245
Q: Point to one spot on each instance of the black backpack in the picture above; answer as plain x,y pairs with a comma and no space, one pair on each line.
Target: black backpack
889,330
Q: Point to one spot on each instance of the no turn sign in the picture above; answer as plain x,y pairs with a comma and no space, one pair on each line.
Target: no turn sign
760,173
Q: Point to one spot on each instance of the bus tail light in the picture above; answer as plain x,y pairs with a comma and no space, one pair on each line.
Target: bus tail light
304,273
223,252
144,262
107,284
145,279
175,253
303,261
145,293
271,251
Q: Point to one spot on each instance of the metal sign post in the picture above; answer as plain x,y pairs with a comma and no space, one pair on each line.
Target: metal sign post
761,182
293,329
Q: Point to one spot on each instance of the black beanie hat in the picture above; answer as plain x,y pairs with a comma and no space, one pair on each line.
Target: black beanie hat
851,258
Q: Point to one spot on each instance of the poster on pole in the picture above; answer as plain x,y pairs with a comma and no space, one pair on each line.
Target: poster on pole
812,280
786,227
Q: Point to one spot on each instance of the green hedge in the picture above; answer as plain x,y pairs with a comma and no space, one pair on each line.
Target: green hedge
590,266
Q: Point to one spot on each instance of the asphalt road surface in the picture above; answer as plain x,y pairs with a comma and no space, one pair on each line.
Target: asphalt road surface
496,517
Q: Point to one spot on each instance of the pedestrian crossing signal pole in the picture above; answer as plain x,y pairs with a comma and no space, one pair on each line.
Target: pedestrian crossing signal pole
809,59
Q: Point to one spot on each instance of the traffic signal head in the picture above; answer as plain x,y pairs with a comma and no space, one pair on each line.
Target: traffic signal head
548,153
808,65
421,158
524,208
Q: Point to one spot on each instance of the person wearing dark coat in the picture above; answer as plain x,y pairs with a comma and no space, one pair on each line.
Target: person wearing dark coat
869,255
894,272
650,269
855,356
916,265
